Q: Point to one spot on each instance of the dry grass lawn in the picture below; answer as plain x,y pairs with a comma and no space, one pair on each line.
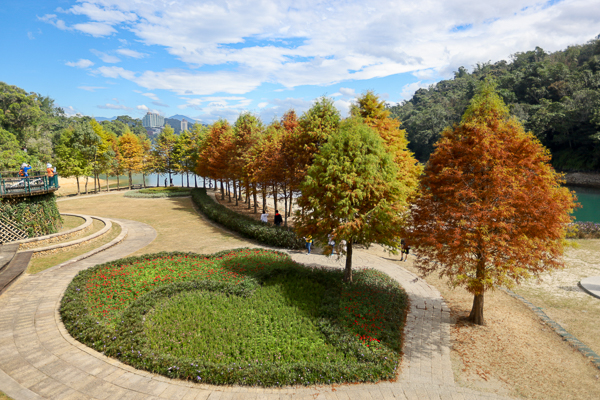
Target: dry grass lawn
44,262
70,222
178,225
514,354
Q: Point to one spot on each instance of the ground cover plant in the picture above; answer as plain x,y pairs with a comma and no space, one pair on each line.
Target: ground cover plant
584,230
245,226
246,316
159,192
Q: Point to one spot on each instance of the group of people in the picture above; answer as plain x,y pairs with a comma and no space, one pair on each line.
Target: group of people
278,220
50,172
404,246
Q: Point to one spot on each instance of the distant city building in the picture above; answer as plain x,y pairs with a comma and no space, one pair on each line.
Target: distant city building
184,125
152,120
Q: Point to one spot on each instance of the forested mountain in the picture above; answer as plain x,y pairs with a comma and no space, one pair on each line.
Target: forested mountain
555,95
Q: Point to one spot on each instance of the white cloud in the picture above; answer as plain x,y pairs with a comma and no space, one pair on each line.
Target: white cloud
115,107
142,107
151,95
409,90
131,53
107,58
263,104
30,36
347,92
96,29
71,111
159,104
103,14
115,72
82,63
91,88
287,43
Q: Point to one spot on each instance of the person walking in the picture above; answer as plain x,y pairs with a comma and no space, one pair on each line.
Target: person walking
264,217
331,242
405,249
308,240
278,220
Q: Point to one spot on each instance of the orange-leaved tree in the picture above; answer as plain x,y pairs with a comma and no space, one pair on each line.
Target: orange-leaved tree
131,154
492,210
377,116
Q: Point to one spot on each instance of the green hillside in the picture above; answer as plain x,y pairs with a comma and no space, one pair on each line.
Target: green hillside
555,95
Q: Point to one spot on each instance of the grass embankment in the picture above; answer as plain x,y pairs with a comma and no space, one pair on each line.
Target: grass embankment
44,262
159,192
70,222
244,225
247,317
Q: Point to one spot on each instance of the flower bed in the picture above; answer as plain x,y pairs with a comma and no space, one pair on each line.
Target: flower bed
246,317
245,226
159,192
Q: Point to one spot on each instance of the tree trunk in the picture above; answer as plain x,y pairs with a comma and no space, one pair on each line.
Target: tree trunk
107,185
144,179
248,196
87,178
130,180
235,194
118,183
78,191
157,181
187,175
264,196
285,199
255,199
196,181
228,191
348,270
275,196
476,315
222,191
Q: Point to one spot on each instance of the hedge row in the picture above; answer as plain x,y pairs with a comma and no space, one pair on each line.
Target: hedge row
36,215
153,194
245,226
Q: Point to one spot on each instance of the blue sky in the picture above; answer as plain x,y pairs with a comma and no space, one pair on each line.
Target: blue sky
212,59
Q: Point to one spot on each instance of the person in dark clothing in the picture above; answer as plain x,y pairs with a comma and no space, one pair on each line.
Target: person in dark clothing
278,218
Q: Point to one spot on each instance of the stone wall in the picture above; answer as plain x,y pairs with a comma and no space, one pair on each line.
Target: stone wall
589,179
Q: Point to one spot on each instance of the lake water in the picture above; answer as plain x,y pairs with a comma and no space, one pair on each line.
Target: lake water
589,198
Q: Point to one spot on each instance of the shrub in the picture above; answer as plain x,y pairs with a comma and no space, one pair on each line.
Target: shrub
158,192
246,226
584,230
139,309
36,215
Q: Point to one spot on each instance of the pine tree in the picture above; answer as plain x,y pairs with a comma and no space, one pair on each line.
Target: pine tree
492,210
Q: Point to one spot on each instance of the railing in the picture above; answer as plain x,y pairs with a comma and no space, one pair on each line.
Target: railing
12,184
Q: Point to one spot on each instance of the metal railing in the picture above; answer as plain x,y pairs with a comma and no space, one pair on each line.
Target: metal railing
13,184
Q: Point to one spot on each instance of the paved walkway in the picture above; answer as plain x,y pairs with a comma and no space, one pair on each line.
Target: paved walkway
38,358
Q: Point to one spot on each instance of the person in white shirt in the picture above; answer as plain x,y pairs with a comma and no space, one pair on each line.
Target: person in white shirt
264,217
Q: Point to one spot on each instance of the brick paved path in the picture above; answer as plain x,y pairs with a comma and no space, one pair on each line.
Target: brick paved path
38,359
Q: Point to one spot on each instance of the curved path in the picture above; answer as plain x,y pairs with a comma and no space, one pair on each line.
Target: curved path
39,359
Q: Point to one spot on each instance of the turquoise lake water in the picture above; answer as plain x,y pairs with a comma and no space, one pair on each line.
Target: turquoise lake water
590,200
